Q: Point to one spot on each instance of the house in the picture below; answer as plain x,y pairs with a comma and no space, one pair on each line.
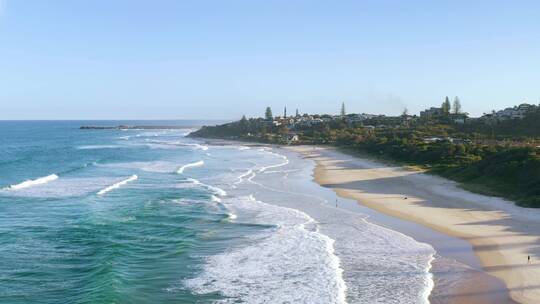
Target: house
431,112
433,139
459,118
458,141
292,137
516,112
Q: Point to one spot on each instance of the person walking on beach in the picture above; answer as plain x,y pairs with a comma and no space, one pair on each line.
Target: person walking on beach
528,259
336,202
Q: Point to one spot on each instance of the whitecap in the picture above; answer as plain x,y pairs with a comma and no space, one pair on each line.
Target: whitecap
154,166
286,264
284,163
62,187
117,185
32,182
216,190
92,147
242,176
191,165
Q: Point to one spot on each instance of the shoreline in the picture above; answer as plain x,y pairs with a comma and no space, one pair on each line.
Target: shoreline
380,265
501,234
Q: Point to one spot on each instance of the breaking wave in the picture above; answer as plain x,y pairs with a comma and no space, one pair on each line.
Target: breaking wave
33,182
117,185
295,261
184,167
92,147
216,190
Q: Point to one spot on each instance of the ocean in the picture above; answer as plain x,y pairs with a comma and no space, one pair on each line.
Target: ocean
151,216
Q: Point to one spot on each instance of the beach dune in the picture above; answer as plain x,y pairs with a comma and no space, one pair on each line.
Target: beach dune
502,235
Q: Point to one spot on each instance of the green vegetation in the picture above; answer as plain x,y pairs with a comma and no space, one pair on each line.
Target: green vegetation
513,129
446,106
513,173
268,114
456,108
499,158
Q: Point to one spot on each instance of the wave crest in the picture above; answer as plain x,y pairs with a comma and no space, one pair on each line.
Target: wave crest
184,167
117,185
33,182
216,190
296,264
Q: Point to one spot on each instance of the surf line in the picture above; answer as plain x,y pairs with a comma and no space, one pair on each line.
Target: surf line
117,185
216,190
184,167
33,182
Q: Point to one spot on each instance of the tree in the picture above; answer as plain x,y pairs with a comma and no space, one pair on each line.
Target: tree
243,124
268,114
283,130
446,106
343,113
457,106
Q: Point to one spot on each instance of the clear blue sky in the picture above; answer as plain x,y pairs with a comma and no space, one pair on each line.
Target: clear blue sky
129,59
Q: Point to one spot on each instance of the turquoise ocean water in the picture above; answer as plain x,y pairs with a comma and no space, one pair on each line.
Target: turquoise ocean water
150,216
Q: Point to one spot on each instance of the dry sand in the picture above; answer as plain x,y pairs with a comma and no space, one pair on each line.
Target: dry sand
501,234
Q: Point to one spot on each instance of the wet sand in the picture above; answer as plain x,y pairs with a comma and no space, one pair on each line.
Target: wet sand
500,233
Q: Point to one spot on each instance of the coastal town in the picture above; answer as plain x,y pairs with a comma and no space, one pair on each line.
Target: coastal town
291,127
444,140
431,115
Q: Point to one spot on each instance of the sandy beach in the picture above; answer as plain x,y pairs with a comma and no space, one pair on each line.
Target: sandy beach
501,234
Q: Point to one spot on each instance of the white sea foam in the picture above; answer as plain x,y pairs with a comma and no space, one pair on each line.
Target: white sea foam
92,147
428,281
242,176
174,144
62,187
32,182
282,171
251,177
151,134
182,143
198,146
215,199
192,165
380,265
284,163
216,190
117,185
291,263
153,166
186,133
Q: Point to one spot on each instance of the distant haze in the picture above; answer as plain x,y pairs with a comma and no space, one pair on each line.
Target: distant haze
167,59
